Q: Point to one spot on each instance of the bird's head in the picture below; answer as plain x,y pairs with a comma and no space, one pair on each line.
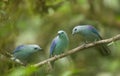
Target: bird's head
76,30
28,48
35,47
62,34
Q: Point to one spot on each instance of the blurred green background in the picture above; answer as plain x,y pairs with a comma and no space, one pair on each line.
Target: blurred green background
37,22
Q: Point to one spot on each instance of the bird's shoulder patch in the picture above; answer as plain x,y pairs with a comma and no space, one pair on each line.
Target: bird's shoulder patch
18,48
94,30
53,45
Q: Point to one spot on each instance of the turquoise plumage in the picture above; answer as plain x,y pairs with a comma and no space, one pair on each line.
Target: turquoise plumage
24,52
59,44
89,34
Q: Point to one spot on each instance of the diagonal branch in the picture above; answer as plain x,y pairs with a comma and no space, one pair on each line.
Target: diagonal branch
77,49
7,54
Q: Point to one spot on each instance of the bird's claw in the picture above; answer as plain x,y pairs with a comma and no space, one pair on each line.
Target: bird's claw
86,42
111,43
55,56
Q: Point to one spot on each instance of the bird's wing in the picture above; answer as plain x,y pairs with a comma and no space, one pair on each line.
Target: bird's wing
18,49
95,32
53,45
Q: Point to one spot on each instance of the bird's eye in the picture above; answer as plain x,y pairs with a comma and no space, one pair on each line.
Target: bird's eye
35,48
75,29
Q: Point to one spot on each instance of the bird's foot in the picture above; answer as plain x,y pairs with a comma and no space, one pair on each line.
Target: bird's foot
62,52
112,43
94,42
86,42
55,56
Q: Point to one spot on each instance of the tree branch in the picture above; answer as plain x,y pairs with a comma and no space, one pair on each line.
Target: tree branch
77,49
7,54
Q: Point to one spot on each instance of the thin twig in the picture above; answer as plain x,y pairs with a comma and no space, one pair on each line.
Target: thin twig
7,54
79,48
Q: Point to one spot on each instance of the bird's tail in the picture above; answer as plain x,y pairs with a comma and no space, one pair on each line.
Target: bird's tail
104,50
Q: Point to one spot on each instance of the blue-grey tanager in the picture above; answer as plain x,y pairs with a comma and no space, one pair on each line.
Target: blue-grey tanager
24,52
59,44
89,34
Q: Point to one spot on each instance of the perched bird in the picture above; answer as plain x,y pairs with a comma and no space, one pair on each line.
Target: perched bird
59,44
89,34
24,52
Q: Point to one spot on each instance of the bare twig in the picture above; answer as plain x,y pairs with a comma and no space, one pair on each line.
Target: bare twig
7,54
79,48
17,61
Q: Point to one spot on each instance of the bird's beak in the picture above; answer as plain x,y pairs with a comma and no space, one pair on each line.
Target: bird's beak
40,49
58,33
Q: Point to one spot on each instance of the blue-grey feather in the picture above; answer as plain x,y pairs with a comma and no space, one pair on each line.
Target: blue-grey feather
90,34
18,48
53,44
94,31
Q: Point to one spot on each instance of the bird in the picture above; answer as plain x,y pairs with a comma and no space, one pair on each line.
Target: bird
59,44
25,52
88,33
